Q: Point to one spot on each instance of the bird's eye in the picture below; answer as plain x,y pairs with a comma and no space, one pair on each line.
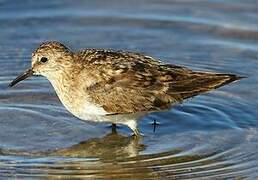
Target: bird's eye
43,59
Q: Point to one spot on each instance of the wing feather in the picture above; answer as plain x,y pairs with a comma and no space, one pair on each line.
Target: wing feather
130,82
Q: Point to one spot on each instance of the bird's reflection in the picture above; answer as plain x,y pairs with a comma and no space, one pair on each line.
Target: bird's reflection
117,157
111,151
113,145
113,156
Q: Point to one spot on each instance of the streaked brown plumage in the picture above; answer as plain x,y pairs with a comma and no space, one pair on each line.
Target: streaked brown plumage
117,83
143,83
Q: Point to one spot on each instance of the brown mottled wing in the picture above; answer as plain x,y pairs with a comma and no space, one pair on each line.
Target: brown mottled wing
196,83
130,83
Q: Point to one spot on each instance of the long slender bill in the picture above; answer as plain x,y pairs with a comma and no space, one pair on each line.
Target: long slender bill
26,74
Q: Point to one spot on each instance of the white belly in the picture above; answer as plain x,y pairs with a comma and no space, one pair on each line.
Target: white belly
98,114
89,112
84,109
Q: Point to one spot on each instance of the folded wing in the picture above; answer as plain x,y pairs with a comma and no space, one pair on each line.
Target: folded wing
135,83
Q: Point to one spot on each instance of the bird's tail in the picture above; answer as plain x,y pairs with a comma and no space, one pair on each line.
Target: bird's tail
226,79
200,82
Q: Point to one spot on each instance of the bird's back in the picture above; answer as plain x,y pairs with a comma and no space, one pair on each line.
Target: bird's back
130,82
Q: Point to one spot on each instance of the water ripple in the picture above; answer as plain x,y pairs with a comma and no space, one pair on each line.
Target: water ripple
226,162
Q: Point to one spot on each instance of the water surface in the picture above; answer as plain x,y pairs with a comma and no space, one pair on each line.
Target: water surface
214,135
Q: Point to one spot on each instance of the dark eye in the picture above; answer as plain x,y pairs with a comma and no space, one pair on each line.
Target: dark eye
43,59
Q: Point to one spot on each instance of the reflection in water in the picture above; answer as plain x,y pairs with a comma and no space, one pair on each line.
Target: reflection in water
116,156
111,152
112,146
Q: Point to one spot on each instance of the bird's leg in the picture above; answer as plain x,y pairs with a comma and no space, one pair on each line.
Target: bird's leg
155,123
132,124
114,128
136,132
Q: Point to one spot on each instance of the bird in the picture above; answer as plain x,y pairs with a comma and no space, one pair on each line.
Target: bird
116,86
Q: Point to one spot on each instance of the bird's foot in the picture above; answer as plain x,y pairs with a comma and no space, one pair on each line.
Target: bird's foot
137,134
155,124
113,126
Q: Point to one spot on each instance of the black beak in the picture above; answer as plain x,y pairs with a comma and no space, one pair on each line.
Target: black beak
26,74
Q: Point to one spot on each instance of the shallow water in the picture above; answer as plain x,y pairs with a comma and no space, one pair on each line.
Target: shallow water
214,135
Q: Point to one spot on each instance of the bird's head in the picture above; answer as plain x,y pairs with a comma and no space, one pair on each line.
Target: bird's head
47,60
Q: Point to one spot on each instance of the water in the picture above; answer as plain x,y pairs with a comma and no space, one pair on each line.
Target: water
214,135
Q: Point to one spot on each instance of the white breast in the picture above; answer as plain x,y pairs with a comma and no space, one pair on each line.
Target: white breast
91,112
90,108
78,104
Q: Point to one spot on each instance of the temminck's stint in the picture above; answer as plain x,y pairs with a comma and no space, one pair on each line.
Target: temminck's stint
116,86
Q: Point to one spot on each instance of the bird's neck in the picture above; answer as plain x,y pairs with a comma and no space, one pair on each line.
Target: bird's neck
70,89
66,88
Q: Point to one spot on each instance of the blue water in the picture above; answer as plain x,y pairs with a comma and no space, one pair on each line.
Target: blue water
214,135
